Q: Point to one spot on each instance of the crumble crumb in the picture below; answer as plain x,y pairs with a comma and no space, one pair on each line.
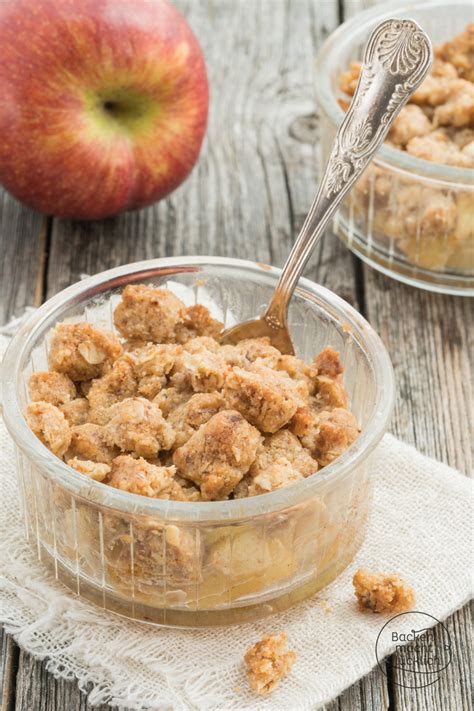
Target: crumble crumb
49,425
382,593
327,433
170,398
140,477
267,662
77,411
202,372
89,442
325,606
459,52
411,122
95,470
266,398
188,417
254,348
147,313
48,386
151,365
119,383
219,454
198,322
82,351
281,460
137,425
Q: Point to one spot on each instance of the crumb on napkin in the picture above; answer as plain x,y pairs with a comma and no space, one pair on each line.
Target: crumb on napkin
267,662
380,592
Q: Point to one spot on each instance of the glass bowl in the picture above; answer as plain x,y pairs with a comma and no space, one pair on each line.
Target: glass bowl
409,218
200,564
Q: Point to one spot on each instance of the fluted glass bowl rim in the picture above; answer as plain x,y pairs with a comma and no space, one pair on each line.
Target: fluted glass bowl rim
215,511
386,156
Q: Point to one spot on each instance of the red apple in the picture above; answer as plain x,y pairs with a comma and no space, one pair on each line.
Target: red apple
103,103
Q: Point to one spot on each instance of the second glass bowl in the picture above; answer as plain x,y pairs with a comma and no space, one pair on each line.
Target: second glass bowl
201,564
409,218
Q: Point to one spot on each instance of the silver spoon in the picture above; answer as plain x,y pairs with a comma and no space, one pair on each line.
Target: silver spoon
396,60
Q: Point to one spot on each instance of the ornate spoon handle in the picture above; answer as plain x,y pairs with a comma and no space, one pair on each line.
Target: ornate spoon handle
396,60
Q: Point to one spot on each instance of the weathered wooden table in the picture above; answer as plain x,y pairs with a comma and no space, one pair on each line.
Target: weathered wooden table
247,198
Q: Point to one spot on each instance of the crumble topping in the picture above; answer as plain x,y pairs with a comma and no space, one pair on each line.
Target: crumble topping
459,52
166,411
380,592
432,225
267,662
120,383
198,323
187,418
151,365
203,371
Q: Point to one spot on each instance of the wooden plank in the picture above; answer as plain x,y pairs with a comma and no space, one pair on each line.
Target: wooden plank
454,688
430,339
8,666
22,246
37,690
369,694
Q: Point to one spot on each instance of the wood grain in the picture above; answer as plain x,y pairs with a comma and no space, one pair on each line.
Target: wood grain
37,690
22,236
430,338
8,668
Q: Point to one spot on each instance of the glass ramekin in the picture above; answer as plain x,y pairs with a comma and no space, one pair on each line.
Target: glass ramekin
409,218
200,564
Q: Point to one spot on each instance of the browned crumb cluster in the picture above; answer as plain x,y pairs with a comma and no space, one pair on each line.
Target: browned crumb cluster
382,593
438,122
432,226
165,411
267,662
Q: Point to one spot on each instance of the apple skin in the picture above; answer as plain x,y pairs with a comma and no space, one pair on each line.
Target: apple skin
103,103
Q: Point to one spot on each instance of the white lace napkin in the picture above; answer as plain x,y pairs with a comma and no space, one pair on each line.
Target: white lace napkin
420,528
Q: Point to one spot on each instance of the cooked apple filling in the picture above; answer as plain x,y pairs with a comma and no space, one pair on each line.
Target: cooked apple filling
433,227
164,411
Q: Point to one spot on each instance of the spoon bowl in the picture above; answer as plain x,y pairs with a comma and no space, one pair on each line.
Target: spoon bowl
261,327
